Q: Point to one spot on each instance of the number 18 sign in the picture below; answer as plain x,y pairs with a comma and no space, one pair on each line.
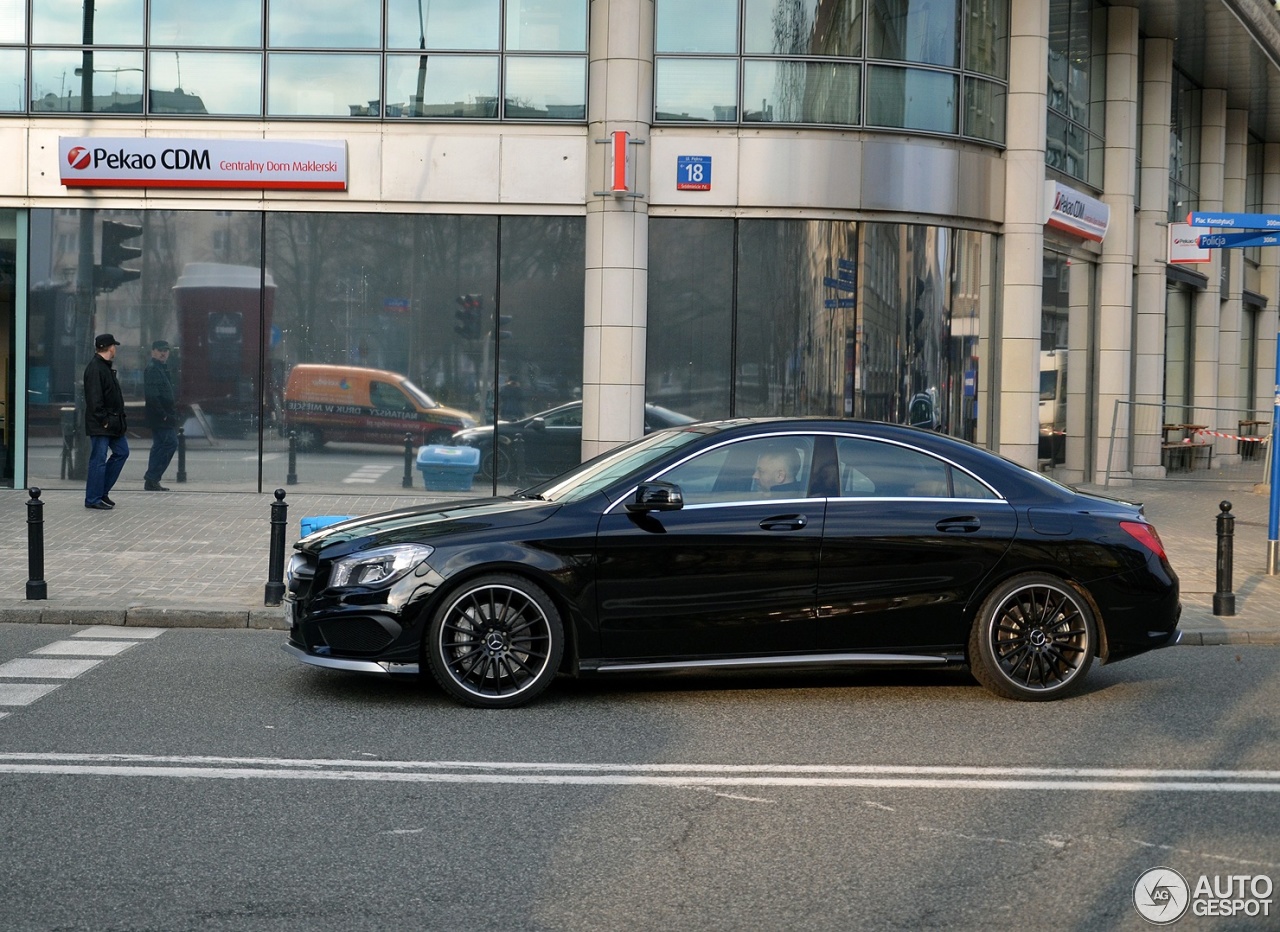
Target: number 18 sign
693,173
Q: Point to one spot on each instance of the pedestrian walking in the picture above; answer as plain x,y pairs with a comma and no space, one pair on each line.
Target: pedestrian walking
105,423
162,416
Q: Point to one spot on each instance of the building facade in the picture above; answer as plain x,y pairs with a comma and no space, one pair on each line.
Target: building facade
967,215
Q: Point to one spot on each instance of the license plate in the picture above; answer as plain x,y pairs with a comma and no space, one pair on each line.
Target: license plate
290,612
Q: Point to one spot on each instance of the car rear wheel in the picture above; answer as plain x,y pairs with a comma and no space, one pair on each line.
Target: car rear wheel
1034,639
496,642
495,464
308,440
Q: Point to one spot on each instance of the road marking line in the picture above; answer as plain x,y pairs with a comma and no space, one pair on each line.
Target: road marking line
46,669
70,648
117,631
24,693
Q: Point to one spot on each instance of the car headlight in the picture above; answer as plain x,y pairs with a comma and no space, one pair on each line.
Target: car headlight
378,567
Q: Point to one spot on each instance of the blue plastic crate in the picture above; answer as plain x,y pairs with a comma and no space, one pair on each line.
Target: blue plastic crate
448,469
316,522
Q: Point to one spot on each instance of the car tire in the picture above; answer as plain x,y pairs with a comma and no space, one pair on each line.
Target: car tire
1033,638
495,642
495,464
308,440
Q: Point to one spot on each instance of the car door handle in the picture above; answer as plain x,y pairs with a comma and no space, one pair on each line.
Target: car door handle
966,525
784,523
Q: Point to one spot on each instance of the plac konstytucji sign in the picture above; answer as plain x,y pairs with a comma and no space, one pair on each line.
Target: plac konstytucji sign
247,164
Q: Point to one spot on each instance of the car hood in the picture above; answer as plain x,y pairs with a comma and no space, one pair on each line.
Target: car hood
422,523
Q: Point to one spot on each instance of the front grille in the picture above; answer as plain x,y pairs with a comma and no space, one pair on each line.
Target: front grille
363,635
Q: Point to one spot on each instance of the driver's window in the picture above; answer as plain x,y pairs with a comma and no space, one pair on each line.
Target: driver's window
750,470
570,418
388,397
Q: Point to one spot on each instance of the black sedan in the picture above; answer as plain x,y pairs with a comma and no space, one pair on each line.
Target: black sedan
551,441
747,544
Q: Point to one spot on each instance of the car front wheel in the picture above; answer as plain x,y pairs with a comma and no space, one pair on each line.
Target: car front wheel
496,642
1034,639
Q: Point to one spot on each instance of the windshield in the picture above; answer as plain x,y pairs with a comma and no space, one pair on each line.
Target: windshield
595,475
418,394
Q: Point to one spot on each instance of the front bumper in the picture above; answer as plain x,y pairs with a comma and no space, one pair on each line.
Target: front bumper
381,667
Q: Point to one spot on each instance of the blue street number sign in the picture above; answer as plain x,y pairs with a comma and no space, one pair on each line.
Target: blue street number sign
693,173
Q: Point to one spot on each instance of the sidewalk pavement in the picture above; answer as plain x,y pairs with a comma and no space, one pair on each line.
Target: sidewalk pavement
201,559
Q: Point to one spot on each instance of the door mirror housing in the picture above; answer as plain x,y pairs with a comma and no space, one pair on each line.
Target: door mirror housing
656,496
537,423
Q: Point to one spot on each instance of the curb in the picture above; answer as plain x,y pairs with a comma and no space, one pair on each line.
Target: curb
261,619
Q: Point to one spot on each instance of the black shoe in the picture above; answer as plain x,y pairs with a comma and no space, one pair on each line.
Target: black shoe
109,502
150,486
100,506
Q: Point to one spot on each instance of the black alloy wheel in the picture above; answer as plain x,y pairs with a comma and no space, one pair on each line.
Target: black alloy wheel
496,642
495,464
1034,639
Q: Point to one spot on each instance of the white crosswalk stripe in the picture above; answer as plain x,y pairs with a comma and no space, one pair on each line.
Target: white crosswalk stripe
29,668
24,693
98,632
368,474
73,648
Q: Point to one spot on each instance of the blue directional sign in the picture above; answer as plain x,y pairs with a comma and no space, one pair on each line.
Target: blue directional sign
1237,240
1234,221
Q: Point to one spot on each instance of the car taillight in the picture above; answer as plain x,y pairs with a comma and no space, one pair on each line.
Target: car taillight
1146,535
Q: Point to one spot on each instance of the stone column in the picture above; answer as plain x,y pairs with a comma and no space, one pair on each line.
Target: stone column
620,97
1269,276
1230,391
1208,304
1017,406
1152,250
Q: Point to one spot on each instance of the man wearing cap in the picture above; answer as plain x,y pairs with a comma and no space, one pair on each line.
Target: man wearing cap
104,422
162,416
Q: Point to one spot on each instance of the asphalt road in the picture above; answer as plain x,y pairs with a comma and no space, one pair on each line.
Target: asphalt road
200,779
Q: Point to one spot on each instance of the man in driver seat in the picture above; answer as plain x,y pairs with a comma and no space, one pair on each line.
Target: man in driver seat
776,471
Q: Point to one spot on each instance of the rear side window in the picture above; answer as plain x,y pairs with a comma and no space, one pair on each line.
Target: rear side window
874,469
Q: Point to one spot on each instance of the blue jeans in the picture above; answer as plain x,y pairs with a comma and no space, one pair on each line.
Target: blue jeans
164,442
104,472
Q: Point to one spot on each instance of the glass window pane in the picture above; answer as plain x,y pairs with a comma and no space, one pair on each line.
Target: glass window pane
449,86
800,92
547,25
322,85
13,21
218,83
687,89
324,24
984,109
442,24
911,99
696,26
986,37
62,22
226,23
688,359
113,86
913,30
546,88
785,27
13,80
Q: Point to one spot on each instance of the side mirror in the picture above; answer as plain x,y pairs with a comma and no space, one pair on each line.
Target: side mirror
537,424
656,496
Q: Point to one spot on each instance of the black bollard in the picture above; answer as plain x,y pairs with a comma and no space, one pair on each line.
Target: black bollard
518,443
275,570
36,588
407,481
182,456
292,477
1224,600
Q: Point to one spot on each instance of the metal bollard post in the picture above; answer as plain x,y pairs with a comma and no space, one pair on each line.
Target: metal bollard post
1224,600
519,457
36,588
407,481
274,593
182,456
292,477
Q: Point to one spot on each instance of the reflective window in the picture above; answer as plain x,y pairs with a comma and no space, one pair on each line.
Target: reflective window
693,89
301,84
324,24
442,86
13,80
750,470
114,85
539,87
910,98
442,24
226,23
810,27
886,470
984,109
800,92
13,21
696,26
1076,89
546,25
218,83
1184,148
986,37
922,31
63,22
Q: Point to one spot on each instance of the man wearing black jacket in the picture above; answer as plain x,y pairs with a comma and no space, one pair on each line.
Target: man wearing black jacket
104,422
162,416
